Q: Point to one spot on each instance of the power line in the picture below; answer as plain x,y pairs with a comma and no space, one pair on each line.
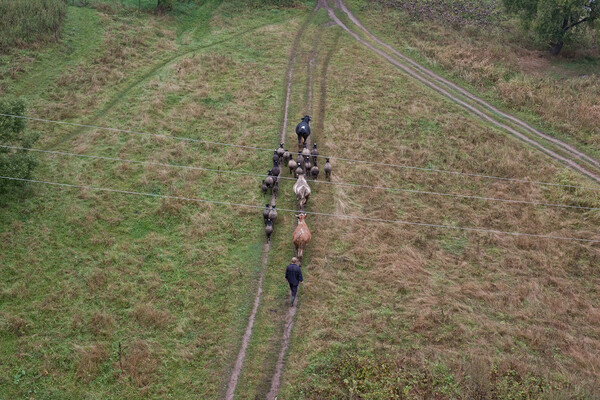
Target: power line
413,191
403,166
305,212
136,132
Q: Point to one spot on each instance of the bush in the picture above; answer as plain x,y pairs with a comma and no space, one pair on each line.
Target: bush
15,163
27,21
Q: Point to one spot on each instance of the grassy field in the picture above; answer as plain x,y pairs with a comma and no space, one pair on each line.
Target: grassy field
502,63
113,296
397,312
106,295
26,23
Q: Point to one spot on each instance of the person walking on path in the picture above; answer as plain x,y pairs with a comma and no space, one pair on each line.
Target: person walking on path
293,274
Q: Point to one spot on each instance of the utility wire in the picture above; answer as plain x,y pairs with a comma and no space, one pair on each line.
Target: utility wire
305,212
413,191
410,167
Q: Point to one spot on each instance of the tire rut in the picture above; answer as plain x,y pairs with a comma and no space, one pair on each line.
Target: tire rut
430,79
237,369
121,95
289,319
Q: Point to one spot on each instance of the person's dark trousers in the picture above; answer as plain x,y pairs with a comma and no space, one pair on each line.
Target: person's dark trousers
294,289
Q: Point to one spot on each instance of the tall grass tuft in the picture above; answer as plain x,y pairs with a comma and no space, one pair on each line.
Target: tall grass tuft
25,21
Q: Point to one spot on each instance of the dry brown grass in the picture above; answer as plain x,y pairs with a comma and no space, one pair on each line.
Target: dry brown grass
102,323
89,359
139,363
14,324
562,92
149,316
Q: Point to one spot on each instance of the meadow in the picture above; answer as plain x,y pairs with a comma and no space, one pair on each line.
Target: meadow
108,295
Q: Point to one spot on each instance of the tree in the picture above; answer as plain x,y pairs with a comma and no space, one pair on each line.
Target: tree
15,163
555,21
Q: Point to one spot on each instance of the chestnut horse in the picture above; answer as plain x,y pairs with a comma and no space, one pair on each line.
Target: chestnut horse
301,236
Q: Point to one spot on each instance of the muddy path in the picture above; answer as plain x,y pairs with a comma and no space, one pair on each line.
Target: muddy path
556,149
239,362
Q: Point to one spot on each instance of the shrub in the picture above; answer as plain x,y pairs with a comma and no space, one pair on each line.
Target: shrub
15,163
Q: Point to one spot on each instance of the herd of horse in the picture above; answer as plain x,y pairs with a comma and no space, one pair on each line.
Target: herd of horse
305,165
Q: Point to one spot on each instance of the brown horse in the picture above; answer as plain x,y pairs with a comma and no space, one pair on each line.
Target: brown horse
301,236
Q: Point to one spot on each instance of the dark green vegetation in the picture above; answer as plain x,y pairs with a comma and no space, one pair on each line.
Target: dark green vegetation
552,22
23,22
555,21
16,163
108,295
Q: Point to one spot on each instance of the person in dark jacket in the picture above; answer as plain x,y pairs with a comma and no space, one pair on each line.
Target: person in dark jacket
293,274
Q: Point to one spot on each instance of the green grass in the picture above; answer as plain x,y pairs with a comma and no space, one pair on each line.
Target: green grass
81,35
172,282
107,295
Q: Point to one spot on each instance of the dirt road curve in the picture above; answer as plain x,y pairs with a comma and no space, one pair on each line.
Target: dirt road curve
473,104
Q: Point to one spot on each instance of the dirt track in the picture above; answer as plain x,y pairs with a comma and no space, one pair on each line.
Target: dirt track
237,368
476,106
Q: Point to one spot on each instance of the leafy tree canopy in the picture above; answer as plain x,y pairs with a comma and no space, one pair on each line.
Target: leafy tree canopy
555,21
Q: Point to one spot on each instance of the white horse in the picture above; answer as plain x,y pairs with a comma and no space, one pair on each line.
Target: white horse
302,191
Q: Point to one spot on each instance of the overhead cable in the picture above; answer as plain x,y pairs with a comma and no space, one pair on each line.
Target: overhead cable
403,166
384,188
485,230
